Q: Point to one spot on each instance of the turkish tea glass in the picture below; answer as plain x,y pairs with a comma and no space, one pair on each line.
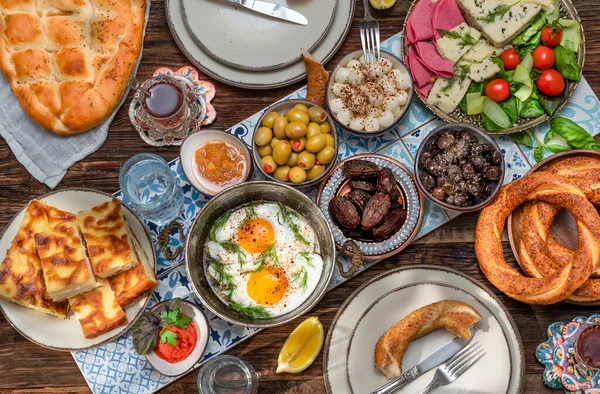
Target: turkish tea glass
227,375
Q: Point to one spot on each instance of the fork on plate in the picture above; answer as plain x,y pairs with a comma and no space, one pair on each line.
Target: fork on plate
455,367
369,36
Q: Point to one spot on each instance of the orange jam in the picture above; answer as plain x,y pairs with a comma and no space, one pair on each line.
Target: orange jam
219,164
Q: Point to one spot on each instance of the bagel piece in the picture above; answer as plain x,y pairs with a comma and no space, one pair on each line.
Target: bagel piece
555,189
456,317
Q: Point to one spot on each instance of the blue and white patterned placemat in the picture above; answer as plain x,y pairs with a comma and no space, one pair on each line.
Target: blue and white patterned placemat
117,368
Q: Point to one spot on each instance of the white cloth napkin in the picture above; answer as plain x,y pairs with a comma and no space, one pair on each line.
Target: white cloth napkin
46,155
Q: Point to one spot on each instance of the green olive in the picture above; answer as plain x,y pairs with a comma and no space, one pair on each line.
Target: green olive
268,164
330,140
299,144
314,172
326,155
297,115
269,119
316,143
316,114
297,175
295,130
279,127
325,127
293,160
313,129
274,141
265,150
282,173
306,160
301,107
263,136
281,152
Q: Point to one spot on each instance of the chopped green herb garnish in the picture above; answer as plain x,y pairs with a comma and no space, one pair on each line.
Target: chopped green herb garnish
219,224
253,312
176,318
308,259
251,213
498,12
285,215
465,39
225,279
301,277
271,254
168,336
461,72
233,247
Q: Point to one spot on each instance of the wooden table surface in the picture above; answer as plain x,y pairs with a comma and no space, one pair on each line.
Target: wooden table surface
27,368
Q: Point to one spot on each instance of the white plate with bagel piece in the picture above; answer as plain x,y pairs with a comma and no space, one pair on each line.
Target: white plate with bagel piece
59,246
381,303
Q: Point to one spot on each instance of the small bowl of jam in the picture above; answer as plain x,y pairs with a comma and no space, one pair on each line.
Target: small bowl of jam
214,160
587,348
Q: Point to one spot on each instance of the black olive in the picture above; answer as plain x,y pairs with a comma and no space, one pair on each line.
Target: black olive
489,189
492,173
435,167
427,180
468,170
496,157
450,200
479,162
446,141
462,201
477,149
454,173
439,193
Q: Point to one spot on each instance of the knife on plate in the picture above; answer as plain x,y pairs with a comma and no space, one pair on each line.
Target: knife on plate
433,360
274,10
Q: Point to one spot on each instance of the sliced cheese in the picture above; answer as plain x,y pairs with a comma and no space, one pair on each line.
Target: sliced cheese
547,5
456,42
481,71
447,97
482,50
503,28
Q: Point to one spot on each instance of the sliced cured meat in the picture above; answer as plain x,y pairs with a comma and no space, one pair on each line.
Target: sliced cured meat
424,91
431,58
422,76
445,16
419,27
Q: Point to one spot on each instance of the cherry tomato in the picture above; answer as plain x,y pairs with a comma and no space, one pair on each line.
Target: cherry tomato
498,90
543,58
510,58
551,83
551,37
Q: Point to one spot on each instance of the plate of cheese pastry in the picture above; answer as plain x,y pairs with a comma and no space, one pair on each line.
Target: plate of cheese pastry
77,271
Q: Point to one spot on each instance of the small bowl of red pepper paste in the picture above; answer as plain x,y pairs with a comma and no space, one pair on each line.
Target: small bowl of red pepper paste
180,346
587,348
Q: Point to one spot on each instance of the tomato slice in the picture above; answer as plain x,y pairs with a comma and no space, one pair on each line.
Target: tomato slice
543,58
498,90
551,37
550,83
510,58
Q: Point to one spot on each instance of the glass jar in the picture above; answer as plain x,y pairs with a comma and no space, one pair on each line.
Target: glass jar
227,375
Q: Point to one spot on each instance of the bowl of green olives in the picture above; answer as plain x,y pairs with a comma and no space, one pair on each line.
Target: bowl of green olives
294,142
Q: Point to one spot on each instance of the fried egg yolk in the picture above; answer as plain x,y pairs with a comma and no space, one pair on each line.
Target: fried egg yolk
267,286
256,235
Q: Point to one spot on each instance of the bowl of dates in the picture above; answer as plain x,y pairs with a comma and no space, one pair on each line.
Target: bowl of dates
459,167
373,200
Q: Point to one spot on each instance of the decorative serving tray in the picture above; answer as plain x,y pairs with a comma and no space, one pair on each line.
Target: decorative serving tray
117,368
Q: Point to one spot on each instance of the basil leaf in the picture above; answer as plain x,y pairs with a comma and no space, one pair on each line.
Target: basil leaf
531,108
574,134
557,148
498,62
488,124
538,154
528,35
510,108
522,138
172,304
566,63
548,136
145,332
550,104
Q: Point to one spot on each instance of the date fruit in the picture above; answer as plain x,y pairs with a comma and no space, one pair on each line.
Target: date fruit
375,210
344,212
359,198
360,169
392,223
385,181
363,185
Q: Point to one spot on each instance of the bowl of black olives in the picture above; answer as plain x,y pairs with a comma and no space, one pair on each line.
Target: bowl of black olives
459,167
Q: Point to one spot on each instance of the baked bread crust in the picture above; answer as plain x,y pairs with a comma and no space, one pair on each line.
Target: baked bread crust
69,61
456,317
317,79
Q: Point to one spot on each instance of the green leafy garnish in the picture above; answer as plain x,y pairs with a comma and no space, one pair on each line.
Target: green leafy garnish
253,312
225,280
285,215
175,318
498,12
168,336
301,277
219,224
461,72
251,213
235,248
308,259
465,39
269,254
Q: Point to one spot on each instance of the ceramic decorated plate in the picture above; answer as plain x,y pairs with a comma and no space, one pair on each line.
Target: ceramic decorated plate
386,299
247,40
284,76
60,334
446,16
337,184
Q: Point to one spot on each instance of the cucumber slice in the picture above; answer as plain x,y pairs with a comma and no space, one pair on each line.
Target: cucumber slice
474,103
527,62
554,15
571,35
493,111
522,76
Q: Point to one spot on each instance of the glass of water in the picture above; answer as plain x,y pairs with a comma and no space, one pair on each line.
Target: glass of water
227,375
147,182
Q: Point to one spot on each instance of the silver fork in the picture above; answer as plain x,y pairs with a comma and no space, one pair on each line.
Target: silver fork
456,366
369,36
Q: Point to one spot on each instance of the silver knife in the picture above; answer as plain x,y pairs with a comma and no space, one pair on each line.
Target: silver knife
274,10
433,360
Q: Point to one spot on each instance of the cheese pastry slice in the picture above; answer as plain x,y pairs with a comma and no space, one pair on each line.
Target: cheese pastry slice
131,285
109,245
66,267
98,310
21,277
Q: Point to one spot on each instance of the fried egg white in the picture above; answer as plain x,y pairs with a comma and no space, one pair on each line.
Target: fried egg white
267,263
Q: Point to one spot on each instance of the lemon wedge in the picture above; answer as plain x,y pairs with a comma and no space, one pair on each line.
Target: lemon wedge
382,4
302,347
